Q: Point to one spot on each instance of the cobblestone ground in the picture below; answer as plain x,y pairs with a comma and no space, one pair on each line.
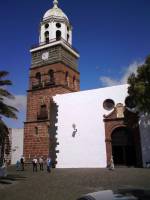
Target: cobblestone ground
69,184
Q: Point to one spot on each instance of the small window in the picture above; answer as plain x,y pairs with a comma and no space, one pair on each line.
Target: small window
46,26
74,81
47,36
51,76
68,28
58,35
108,104
58,25
67,78
67,37
38,77
36,131
43,109
43,113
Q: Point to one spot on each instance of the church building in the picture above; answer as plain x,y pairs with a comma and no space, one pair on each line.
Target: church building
77,129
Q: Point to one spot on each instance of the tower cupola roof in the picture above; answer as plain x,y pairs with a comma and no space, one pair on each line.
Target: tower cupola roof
55,12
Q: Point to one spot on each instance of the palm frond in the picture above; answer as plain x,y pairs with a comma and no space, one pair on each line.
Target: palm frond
3,74
3,129
5,82
5,93
8,111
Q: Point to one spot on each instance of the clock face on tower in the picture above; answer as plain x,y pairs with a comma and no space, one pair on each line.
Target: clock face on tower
45,55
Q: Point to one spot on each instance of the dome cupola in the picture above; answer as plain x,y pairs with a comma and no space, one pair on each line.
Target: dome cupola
55,26
55,12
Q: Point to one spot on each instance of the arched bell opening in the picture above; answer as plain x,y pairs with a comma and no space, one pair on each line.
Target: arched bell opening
58,35
51,76
38,78
47,37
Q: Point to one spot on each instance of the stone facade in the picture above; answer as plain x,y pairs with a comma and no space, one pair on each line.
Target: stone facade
57,53
37,135
127,120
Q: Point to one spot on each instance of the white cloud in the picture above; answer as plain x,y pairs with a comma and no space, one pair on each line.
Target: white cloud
20,102
107,81
132,68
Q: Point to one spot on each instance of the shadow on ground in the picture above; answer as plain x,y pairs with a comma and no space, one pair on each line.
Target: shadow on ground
123,194
11,178
140,194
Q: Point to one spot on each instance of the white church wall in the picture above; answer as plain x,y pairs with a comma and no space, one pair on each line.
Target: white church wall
16,145
145,138
63,31
85,110
70,36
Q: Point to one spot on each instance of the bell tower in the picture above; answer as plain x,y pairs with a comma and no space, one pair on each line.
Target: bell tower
53,70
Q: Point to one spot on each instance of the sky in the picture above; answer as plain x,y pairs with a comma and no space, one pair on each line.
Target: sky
112,37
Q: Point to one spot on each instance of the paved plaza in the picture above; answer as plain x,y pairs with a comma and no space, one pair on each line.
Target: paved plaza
69,184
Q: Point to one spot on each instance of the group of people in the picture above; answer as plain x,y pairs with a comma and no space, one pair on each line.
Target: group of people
41,162
35,163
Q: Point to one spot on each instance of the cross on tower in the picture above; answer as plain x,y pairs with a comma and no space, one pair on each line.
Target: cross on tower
55,2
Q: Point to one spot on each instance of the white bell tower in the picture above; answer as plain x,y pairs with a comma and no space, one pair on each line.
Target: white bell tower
55,26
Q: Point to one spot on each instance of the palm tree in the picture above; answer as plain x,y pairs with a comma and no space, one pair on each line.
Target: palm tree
5,110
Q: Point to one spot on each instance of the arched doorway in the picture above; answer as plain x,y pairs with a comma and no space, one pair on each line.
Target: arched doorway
123,147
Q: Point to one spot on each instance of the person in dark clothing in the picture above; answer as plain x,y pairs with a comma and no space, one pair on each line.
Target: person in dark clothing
49,162
22,163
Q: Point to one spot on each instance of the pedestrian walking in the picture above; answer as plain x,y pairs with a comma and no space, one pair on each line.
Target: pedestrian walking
34,164
17,165
111,166
49,164
41,163
22,160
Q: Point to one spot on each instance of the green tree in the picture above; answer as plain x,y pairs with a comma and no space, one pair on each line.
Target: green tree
139,89
5,110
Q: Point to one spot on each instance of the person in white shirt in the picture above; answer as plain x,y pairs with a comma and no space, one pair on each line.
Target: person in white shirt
41,163
34,163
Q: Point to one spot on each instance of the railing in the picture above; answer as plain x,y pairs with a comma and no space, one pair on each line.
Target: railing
49,83
43,84
53,16
52,41
37,86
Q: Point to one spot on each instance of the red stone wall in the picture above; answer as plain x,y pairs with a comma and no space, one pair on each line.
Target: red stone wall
36,97
38,143
59,73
